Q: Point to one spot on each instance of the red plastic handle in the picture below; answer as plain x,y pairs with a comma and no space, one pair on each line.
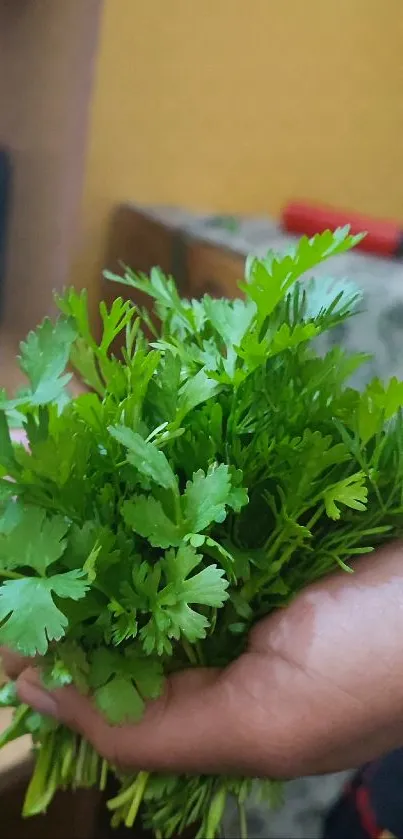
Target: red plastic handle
384,238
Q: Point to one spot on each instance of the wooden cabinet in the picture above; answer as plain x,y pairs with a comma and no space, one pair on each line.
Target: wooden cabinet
212,270
144,238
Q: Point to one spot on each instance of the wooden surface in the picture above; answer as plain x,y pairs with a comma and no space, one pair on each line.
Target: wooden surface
142,240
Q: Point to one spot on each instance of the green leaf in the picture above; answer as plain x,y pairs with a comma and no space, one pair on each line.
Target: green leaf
161,288
269,279
206,497
44,357
8,695
83,359
185,621
325,296
74,306
111,670
114,321
351,492
29,616
148,676
145,457
35,541
378,404
194,392
146,517
230,318
7,457
71,585
17,728
208,587
76,663
119,700
90,564
173,616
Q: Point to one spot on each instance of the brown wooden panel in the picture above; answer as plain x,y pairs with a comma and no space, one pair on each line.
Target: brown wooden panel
212,270
138,240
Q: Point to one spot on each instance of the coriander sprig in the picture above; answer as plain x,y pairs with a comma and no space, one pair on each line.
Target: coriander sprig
203,480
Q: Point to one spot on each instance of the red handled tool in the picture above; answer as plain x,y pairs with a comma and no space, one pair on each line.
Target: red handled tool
384,238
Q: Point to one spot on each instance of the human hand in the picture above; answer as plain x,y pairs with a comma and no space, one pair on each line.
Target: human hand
319,689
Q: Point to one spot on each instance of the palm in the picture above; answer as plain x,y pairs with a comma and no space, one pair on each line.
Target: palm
318,689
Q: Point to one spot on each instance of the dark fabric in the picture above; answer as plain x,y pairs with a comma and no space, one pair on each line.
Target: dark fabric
372,804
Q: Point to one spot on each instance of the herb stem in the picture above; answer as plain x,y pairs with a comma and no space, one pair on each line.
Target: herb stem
10,575
190,652
141,783
104,775
243,824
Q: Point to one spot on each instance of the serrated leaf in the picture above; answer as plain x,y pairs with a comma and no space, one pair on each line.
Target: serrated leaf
206,496
208,587
44,357
74,305
83,359
35,541
194,392
119,700
147,674
230,318
146,517
269,279
145,456
142,678
351,492
29,617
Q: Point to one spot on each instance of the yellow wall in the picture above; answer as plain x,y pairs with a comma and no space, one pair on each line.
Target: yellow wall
241,104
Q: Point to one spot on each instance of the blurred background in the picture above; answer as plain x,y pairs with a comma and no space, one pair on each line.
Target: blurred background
176,133
221,106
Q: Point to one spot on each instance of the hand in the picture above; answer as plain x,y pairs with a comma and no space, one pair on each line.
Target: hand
319,689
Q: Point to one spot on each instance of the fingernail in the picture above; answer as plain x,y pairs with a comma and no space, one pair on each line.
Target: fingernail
38,699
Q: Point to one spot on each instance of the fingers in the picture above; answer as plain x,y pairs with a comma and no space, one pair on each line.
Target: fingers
190,729
12,663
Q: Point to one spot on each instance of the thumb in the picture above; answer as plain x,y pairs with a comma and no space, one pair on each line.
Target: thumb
191,728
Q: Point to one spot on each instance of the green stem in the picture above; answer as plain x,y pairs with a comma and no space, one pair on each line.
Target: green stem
190,652
78,777
68,757
243,824
142,780
104,775
40,790
122,798
200,654
17,727
93,764
215,813
10,575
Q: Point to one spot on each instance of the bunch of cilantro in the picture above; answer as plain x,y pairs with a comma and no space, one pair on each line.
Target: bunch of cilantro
208,474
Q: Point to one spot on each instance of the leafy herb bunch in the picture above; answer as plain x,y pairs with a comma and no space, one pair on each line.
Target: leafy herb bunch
206,477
